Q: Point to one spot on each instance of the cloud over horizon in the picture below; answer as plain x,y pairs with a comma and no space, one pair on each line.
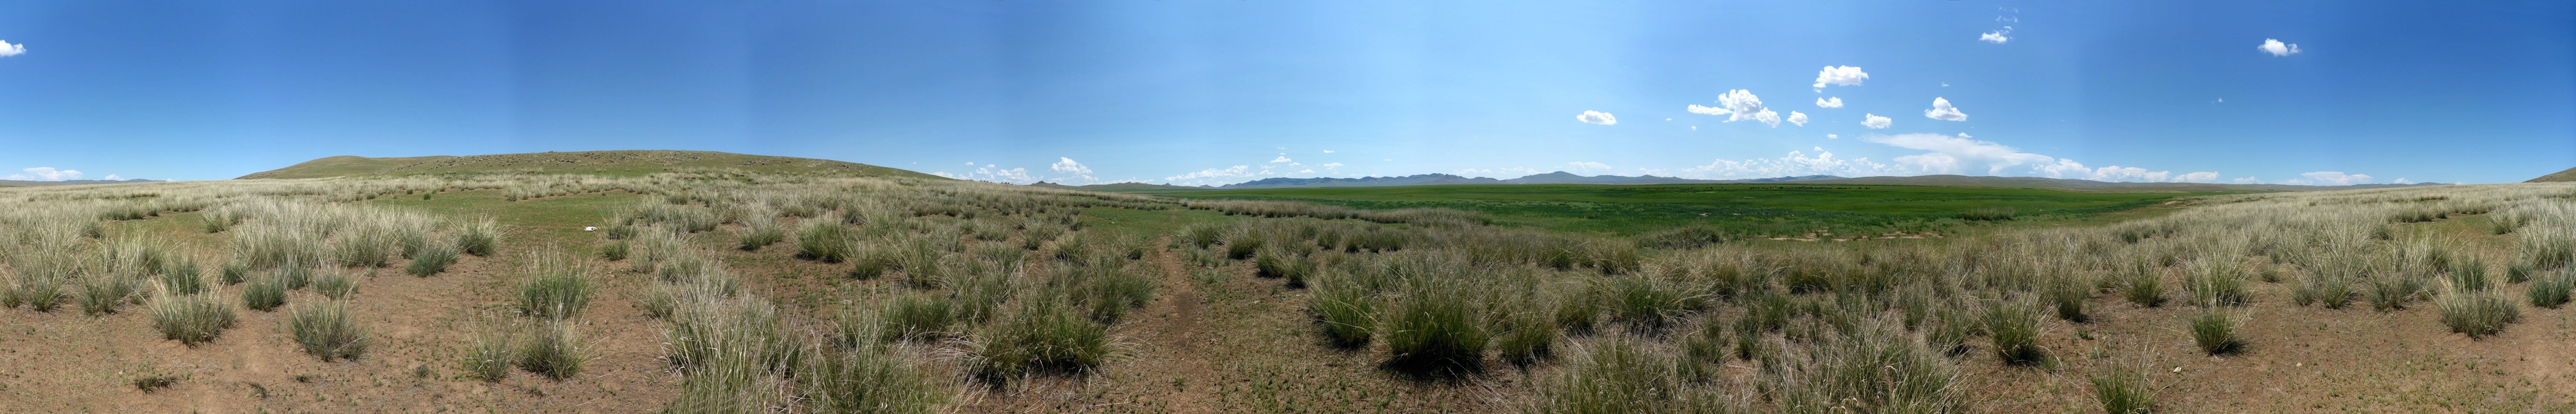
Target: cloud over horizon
46,174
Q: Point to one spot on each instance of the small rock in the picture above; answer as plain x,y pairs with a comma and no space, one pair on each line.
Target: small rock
2177,370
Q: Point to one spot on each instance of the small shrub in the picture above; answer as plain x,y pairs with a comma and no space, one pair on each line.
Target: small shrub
555,351
191,319
2215,332
327,330
431,260
2477,312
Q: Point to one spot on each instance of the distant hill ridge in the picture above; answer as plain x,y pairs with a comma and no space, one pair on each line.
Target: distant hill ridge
625,162
2567,176
22,183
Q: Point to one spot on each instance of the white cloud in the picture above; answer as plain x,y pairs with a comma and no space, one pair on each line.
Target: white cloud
1998,36
1066,165
1796,163
1210,175
989,173
46,174
113,177
2248,180
1588,166
1597,118
1333,165
1873,121
1282,158
1832,136
1797,118
1833,102
1328,151
1840,75
1505,172
2276,48
2400,180
1942,110
1306,171
11,49
2331,178
1958,154
1739,105
970,163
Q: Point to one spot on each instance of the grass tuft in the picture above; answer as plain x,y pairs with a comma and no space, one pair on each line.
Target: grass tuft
191,319
555,286
327,330
2215,332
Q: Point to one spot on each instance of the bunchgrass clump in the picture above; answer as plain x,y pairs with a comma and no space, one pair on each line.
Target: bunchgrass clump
102,294
554,286
264,295
2013,325
2144,289
479,238
868,379
554,350
2216,283
1615,377
2391,293
1526,338
1046,335
2551,291
1346,311
2215,332
917,317
1873,369
430,260
494,349
823,240
2124,390
328,330
191,319
1432,328
2476,312
335,285
180,276
760,231
614,251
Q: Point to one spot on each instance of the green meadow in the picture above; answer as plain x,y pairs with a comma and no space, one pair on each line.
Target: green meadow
1759,209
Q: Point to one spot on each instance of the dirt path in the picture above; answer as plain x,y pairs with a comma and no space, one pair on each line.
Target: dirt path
1174,347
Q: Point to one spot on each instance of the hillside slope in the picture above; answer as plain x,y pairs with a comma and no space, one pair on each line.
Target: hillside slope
619,163
2559,177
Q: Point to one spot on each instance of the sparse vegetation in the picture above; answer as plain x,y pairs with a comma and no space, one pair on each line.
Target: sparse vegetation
328,330
191,319
2215,332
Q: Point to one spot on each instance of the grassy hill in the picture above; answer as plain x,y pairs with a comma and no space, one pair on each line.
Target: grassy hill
1768,208
614,163
2559,177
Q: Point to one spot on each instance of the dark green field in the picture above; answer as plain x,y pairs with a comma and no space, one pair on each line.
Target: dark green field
1767,209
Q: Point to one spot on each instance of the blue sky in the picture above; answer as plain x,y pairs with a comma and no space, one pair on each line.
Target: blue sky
1211,92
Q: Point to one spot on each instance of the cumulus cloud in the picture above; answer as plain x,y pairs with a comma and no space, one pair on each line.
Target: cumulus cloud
1942,110
1832,136
1306,171
2331,178
46,174
2400,180
1505,172
1840,75
1282,158
1066,165
1332,165
1739,105
1833,102
1328,151
11,49
993,174
1797,118
1958,154
1588,166
1597,118
113,177
1998,36
1873,121
1211,174
1796,163
2248,180
2276,48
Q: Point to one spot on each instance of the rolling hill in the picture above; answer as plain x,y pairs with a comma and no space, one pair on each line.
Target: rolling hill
21,183
616,163
2558,177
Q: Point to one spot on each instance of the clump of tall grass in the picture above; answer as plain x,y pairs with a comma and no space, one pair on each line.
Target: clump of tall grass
335,285
494,350
1104,291
1648,303
917,317
367,246
1526,337
191,319
2391,293
1277,261
554,286
823,240
1876,368
554,350
479,238
2476,312
431,260
1345,309
614,251
715,334
1046,335
234,274
2216,282
264,295
1615,377
2548,247
2215,332
328,330
761,231
2067,298
2144,289
867,379
2551,291
101,294
2124,390
1434,326
179,276
2013,325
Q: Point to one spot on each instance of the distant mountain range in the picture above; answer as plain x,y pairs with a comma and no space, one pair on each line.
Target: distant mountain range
17,183
1561,177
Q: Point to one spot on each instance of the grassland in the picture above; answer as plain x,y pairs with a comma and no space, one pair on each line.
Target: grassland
1759,209
628,163
750,292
